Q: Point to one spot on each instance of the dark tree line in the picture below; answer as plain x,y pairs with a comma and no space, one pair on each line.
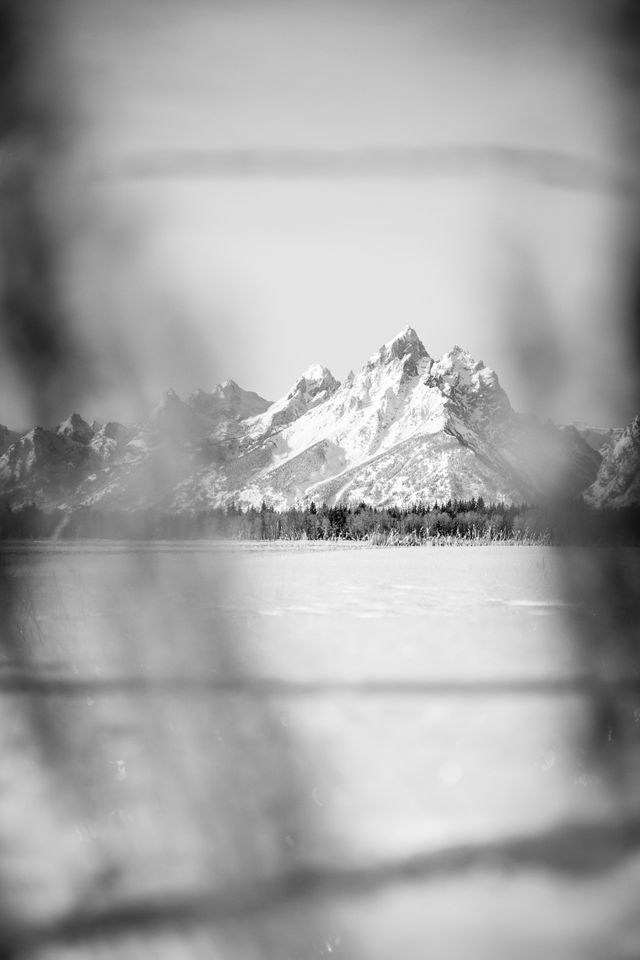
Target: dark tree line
460,520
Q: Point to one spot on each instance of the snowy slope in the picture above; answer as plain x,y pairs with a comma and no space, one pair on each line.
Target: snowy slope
313,387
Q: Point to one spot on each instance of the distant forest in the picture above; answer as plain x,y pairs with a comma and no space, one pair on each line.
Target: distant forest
456,521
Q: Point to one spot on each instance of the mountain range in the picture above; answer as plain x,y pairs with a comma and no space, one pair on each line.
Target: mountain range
405,428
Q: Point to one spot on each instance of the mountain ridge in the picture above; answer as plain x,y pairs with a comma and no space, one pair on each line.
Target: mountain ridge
405,427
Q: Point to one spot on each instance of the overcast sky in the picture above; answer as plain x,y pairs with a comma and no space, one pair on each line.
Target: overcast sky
193,277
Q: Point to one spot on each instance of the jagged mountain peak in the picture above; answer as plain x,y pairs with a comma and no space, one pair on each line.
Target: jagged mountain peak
316,372
315,380
397,362
459,369
169,399
471,391
228,401
227,388
461,357
405,346
407,335
170,407
175,420
75,428
312,388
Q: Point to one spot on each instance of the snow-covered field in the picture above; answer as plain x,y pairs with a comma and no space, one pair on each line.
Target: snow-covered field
389,727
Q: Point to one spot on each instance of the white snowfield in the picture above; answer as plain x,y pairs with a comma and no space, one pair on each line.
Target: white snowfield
374,752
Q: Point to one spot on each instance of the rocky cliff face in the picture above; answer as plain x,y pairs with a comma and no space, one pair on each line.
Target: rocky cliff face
404,428
618,481
7,437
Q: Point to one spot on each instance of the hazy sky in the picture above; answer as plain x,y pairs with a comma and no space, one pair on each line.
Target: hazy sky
184,279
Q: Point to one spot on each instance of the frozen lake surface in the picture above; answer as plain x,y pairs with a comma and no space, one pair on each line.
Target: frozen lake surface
222,714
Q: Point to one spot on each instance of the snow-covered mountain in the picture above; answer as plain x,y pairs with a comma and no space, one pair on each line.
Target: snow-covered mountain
406,427
228,402
600,438
618,480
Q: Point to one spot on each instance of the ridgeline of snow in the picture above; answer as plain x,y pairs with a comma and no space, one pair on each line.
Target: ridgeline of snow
312,388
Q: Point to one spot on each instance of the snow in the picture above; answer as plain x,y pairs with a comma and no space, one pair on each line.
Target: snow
312,388
405,344
316,372
359,767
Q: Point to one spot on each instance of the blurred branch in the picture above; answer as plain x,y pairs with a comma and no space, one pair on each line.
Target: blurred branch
547,167
48,684
568,849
